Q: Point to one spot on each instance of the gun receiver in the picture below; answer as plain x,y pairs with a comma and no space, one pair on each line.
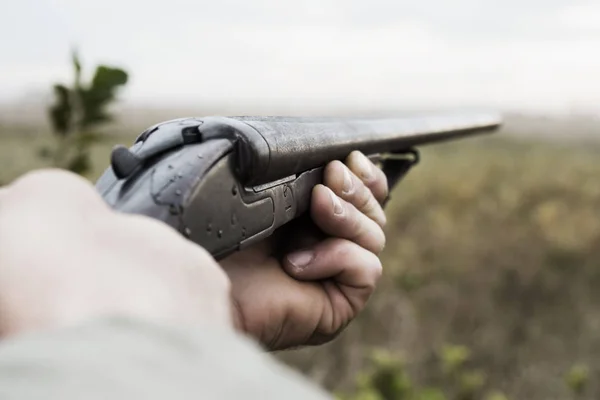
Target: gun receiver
228,182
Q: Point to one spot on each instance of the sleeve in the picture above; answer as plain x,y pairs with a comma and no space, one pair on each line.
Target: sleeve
124,359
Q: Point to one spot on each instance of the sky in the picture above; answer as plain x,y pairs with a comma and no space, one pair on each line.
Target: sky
531,55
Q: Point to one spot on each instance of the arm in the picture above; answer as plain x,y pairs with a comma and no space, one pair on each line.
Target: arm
96,304
132,358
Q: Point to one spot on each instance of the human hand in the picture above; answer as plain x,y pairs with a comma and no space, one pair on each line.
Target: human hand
66,257
325,276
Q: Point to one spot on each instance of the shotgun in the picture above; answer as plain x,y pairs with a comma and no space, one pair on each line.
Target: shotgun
228,182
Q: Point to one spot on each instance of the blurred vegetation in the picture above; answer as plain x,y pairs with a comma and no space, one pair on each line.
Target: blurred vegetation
386,378
493,247
491,274
77,113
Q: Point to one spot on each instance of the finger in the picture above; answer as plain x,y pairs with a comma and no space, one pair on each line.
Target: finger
338,218
349,187
371,176
355,269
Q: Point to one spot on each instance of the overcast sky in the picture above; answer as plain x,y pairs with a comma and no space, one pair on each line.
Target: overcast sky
526,54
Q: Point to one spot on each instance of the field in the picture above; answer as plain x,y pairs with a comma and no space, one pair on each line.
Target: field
492,271
493,245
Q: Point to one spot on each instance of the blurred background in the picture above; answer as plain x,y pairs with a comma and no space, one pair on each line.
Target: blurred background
493,255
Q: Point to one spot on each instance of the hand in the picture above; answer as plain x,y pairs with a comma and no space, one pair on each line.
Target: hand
65,258
324,279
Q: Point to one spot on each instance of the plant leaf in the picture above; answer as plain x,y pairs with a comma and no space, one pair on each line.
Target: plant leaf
61,111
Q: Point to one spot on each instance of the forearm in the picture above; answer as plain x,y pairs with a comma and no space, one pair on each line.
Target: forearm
118,359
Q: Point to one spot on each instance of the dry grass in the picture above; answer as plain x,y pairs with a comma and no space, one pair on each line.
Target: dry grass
494,245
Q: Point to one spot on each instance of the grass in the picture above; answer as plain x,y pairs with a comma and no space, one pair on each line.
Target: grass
493,244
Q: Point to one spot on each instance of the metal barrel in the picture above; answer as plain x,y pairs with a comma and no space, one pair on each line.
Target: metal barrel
300,144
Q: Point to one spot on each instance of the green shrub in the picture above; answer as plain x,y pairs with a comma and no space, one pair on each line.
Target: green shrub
577,379
388,378
77,112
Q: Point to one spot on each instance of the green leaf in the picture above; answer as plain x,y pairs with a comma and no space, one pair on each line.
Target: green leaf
100,94
61,111
109,78
76,109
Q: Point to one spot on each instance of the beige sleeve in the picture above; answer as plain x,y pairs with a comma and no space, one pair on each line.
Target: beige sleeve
123,359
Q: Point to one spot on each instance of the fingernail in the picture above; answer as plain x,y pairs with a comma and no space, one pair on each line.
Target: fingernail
301,259
338,209
348,185
365,167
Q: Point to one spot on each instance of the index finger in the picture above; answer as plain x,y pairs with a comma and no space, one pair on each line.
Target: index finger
369,174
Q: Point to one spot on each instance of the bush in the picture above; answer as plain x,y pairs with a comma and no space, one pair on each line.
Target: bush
387,378
77,113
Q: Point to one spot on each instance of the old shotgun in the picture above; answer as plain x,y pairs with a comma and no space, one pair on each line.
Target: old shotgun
227,182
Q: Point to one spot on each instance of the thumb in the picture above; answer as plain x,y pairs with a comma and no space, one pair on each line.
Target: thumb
339,259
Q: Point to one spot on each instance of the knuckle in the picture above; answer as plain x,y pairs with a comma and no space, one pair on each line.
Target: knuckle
362,195
369,204
367,232
356,226
63,186
47,177
376,213
53,181
345,249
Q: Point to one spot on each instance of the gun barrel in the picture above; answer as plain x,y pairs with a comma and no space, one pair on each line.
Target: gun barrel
300,144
